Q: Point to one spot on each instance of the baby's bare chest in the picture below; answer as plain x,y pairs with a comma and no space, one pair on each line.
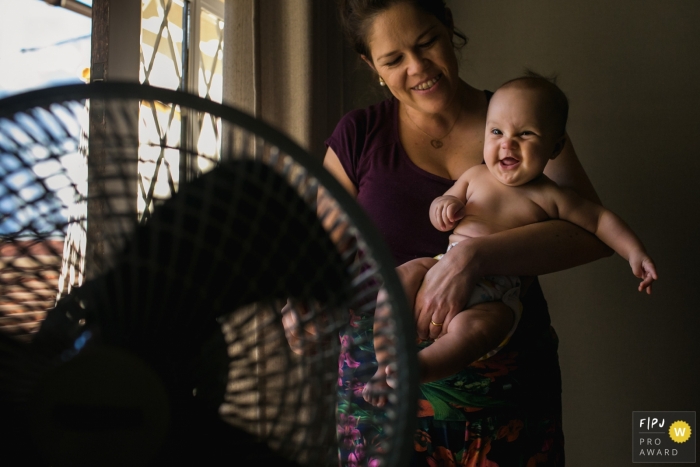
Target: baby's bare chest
502,205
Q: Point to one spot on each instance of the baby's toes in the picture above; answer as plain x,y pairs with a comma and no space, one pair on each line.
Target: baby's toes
367,393
375,392
391,376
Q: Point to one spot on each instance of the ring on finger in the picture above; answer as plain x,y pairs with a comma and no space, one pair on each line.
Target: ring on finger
434,323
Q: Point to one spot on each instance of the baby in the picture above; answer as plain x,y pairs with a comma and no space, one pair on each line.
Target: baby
525,128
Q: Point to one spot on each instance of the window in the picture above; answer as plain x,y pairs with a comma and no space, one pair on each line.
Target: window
182,49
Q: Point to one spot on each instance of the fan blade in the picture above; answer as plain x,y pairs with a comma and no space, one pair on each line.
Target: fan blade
236,235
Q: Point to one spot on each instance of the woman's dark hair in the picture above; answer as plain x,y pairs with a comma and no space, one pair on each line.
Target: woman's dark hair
356,18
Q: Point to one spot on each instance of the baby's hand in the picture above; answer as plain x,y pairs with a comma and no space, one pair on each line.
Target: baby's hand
445,212
643,267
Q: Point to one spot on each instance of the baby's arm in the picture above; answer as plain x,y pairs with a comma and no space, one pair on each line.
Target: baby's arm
448,209
610,228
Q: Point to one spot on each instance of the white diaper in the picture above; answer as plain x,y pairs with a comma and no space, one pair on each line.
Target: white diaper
505,289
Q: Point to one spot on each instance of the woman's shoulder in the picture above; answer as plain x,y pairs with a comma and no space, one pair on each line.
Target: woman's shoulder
371,117
360,131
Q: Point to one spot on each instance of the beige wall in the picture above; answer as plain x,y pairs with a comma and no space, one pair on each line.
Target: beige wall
631,70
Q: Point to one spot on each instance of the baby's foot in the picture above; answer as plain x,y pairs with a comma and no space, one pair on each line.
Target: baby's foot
376,390
391,377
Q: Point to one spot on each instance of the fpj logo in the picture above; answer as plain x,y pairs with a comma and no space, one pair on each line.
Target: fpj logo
663,436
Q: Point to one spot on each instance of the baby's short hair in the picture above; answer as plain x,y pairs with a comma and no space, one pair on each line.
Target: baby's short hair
556,99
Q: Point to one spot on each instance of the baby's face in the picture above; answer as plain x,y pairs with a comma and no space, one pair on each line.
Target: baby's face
520,136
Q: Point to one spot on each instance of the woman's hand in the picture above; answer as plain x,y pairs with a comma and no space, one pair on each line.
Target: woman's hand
446,290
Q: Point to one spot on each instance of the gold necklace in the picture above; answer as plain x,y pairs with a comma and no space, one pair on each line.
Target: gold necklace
436,142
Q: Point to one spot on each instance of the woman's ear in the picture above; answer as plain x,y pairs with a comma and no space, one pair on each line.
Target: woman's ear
558,147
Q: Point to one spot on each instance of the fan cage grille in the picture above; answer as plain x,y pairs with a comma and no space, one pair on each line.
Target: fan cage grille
69,204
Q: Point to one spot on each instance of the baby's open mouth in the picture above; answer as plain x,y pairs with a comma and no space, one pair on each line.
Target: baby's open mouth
509,161
427,84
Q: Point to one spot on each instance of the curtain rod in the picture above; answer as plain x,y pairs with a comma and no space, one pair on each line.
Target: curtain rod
72,5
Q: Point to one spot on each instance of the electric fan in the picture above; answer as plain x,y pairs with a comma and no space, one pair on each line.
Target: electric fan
171,299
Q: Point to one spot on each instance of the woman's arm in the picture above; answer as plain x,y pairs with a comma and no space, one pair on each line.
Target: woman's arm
332,164
530,250
568,172
303,338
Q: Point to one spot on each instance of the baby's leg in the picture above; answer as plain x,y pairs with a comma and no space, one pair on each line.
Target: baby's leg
411,275
470,335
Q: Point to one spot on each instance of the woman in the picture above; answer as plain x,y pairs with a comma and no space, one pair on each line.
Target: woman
395,158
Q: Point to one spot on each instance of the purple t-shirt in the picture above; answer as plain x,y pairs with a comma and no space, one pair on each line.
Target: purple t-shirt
395,193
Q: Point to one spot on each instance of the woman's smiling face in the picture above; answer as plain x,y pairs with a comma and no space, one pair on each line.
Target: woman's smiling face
412,52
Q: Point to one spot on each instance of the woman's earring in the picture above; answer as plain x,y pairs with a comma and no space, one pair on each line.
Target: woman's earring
381,82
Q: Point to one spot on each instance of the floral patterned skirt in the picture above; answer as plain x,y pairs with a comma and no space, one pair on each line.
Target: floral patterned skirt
470,419
484,441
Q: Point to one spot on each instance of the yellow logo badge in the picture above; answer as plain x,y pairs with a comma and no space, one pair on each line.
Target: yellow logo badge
679,431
